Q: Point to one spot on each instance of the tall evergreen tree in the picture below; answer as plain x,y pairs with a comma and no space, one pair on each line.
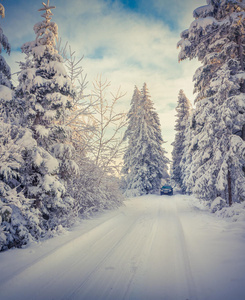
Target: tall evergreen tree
46,91
17,222
183,112
216,38
146,163
186,160
132,118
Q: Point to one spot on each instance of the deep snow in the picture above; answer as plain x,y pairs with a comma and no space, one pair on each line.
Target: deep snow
155,247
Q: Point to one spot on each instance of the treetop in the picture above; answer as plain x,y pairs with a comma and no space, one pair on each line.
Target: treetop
47,15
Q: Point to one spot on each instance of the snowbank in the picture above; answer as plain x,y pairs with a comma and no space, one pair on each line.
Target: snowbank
236,212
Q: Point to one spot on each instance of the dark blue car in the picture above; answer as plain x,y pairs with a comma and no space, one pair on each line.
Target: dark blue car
166,190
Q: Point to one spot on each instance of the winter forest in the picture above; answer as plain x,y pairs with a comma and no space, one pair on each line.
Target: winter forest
67,153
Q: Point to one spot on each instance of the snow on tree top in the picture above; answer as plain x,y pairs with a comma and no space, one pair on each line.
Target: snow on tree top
47,15
46,7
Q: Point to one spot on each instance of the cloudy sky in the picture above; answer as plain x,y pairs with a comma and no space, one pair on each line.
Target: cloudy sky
128,42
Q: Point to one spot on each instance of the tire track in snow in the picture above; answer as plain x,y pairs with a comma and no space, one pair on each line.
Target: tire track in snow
147,249
127,257
37,268
166,222
159,277
129,231
125,243
182,255
168,273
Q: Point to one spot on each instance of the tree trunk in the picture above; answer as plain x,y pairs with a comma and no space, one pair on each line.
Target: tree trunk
243,132
240,51
240,54
229,188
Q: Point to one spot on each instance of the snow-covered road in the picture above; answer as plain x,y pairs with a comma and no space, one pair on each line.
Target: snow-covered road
156,247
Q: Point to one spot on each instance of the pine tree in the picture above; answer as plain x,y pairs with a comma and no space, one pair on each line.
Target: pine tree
216,38
183,112
145,162
46,91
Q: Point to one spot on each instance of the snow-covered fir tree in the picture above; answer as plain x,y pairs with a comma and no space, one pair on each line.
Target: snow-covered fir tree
19,221
216,38
46,91
145,160
186,160
9,163
183,112
132,118
16,218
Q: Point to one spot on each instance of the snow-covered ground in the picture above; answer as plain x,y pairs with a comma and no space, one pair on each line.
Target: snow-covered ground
155,247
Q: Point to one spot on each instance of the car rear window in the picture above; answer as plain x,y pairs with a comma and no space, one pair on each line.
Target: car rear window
166,187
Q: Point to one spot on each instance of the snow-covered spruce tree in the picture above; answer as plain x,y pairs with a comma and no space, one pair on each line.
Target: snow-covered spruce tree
146,163
183,112
217,39
132,123
46,91
9,108
19,221
186,160
18,224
